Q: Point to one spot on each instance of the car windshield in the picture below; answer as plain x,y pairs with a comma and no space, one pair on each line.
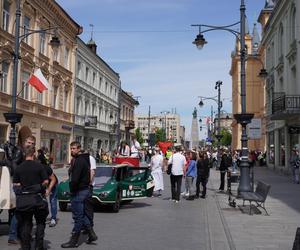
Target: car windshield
102,175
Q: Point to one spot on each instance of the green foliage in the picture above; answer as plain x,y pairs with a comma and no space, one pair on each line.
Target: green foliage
160,135
226,137
139,136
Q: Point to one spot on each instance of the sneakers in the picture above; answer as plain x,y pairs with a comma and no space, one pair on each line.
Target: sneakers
185,194
13,242
52,223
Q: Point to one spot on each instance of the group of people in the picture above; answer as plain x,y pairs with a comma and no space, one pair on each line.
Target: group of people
34,181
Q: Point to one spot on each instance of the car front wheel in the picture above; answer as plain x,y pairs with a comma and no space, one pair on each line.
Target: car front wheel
117,204
63,206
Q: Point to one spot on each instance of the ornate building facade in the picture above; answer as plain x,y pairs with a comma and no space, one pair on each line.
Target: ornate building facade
49,115
280,38
97,95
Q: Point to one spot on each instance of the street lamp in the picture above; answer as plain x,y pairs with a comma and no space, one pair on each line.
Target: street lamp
165,113
13,117
242,118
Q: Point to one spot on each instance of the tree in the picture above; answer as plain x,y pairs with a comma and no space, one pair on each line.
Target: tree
139,136
160,135
226,137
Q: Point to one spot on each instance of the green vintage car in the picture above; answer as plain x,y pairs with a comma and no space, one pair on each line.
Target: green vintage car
114,185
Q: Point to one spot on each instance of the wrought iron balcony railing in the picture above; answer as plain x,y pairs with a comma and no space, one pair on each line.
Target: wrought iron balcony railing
284,105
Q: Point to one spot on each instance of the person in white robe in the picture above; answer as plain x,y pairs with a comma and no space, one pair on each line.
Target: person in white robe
135,147
156,171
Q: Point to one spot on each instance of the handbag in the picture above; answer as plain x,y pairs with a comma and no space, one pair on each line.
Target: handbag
169,169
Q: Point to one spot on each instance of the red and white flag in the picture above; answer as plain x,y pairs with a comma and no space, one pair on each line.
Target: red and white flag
39,82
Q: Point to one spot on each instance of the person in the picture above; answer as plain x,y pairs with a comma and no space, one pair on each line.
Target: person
178,162
30,180
79,175
294,165
191,174
215,159
156,171
226,162
123,150
202,174
135,147
187,155
51,190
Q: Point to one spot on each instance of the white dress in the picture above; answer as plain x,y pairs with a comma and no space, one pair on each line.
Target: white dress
156,172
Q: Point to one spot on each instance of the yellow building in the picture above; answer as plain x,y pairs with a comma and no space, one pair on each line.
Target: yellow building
49,116
254,93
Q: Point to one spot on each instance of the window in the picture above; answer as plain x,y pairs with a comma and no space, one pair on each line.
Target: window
3,79
86,74
25,87
66,57
54,100
100,82
5,15
110,92
293,25
94,78
42,42
66,95
78,69
40,98
26,28
77,111
280,41
106,86
115,93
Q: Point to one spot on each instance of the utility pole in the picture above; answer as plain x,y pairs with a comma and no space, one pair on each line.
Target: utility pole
149,117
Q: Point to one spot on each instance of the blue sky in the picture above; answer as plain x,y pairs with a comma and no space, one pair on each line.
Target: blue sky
149,43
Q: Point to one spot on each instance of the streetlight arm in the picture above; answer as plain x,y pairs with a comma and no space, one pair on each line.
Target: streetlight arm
203,98
22,37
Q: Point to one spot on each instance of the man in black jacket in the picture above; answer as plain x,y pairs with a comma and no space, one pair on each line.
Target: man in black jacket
79,176
226,162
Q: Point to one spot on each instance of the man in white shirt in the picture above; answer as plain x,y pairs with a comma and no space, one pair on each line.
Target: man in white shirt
178,162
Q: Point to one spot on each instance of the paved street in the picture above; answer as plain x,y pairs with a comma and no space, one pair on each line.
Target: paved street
157,223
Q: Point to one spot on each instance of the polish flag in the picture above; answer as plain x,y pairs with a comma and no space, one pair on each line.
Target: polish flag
39,82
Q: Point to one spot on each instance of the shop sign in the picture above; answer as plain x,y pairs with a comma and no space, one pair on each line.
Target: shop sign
254,129
66,127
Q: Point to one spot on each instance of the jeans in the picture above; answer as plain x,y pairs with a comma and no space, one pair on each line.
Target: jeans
25,223
13,234
53,202
89,207
78,212
176,186
189,181
295,174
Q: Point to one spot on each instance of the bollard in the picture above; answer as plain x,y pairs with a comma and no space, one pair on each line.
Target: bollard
296,245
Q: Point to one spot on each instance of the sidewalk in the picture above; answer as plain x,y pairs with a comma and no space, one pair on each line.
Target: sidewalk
259,231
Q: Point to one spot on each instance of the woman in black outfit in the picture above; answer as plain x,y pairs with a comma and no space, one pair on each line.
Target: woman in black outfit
202,174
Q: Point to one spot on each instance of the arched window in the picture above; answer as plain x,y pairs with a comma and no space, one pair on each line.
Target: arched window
280,40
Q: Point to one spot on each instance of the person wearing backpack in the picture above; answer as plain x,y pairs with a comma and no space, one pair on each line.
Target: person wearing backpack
295,164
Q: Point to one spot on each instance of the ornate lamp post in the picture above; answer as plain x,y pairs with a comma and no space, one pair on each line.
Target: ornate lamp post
13,117
242,118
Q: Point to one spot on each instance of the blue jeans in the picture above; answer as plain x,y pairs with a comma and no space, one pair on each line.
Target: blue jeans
53,202
78,212
13,235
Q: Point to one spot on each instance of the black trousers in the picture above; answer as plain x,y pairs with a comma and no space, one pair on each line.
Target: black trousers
176,181
24,219
222,176
89,207
203,181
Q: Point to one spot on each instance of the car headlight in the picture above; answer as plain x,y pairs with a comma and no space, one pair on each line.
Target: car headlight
103,194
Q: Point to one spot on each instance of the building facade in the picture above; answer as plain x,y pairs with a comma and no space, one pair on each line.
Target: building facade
280,21
168,121
255,98
127,106
225,122
47,115
97,90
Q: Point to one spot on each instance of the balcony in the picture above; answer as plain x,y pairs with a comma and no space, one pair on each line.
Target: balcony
129,124
285,106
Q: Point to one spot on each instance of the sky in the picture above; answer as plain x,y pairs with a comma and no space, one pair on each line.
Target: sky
149,43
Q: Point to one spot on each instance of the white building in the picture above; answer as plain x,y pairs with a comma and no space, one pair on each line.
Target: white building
280,23
169,122
97,89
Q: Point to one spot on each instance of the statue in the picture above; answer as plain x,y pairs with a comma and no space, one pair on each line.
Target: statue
195,113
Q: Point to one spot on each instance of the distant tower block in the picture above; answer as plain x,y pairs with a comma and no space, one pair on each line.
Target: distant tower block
195,131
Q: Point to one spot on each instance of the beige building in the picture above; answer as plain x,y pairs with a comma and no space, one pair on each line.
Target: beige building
127,106
48,115
254,91
168,121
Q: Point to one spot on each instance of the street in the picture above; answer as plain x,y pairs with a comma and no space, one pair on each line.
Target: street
152,223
